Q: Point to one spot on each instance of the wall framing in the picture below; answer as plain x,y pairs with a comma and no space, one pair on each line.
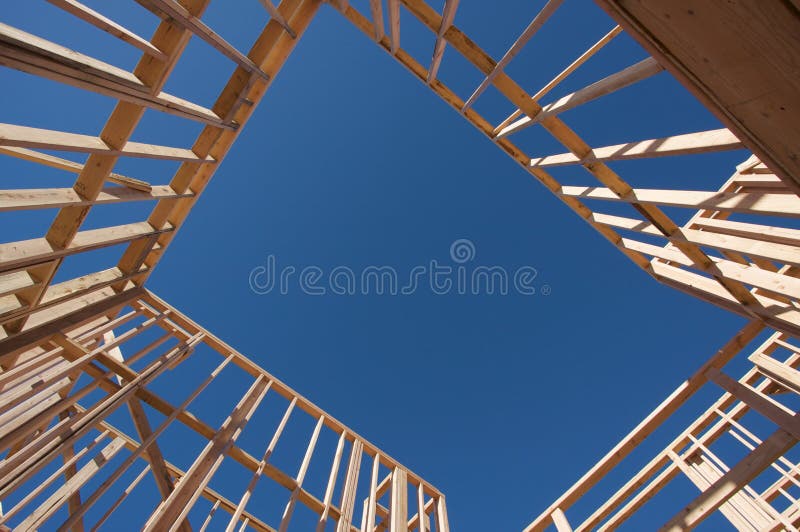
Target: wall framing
64,343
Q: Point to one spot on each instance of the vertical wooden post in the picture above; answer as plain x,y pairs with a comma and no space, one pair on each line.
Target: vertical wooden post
337,458
301,475
560,520
372,500
349,490
74,501
173,510
422,517
442,525
398,511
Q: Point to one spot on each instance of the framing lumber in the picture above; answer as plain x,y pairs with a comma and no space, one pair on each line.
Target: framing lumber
275,14
34,55
737,251
690,143
536,24
572,67
448,14
71,166
610,84
734,37
172,10
29,137
97,20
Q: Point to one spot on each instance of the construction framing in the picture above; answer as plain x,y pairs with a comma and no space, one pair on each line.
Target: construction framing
65,347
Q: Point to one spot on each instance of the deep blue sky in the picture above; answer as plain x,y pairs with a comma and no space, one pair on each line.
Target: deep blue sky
501,402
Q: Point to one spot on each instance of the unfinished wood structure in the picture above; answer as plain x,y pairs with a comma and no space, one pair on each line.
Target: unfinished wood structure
72,351
61,400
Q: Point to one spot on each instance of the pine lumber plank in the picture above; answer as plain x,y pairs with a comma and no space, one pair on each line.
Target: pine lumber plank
29,137
97,20
747,202
71,166
608,85
561,76
536,24
48,198
686,144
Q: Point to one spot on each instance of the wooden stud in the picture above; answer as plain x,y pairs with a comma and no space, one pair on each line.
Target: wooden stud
448,14
97,20
536,24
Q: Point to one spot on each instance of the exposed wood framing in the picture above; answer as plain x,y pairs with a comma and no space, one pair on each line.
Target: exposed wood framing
63,376
93,351
722,487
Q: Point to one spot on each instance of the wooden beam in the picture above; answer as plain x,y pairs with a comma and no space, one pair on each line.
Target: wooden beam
608,85
49,198
210,494
240,508
646,427
116,133
717,226
786,375
158,306
34,336
448,14
394,24
181,500
430,18
725,411
70,471
744,202
301,474
270,52
182,16
29,137
585,56
58,498
770,409
731,482
746,273
702,474
376,9
97,20
399,501
64,291
776,235
69,464
328,497
774,313
16,282
145,431
707,45
577,146
372,500
350,487
442,522
15,40
536,24
71,166
781,253
28,53
43,448
276,15
690,143
28,253
124,495
144,449
560,521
